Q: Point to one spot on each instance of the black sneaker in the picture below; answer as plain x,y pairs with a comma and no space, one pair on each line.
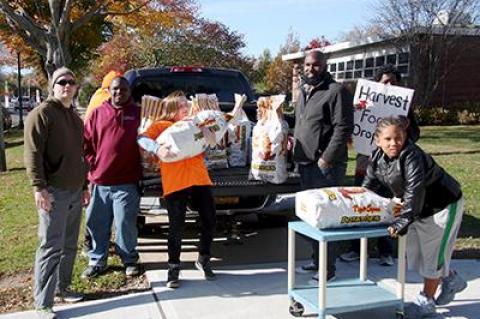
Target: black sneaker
204,265
93,271
172,276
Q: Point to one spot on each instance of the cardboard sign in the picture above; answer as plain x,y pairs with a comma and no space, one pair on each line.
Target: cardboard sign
372,102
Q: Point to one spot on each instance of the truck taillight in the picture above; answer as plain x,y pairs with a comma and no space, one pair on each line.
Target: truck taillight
186,69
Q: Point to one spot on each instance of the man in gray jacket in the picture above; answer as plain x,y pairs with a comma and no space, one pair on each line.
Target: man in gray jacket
323,125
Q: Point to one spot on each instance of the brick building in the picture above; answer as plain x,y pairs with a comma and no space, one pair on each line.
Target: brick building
457,77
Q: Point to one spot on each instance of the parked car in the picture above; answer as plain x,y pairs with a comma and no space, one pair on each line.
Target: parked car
7,118
27,103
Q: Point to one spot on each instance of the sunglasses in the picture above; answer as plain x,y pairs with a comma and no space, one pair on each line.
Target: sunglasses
65,82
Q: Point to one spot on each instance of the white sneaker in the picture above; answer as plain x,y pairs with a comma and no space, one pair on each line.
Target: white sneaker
307,268
45,313
350,256
422,307
386,260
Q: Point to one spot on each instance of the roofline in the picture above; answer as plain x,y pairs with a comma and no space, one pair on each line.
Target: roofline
347,45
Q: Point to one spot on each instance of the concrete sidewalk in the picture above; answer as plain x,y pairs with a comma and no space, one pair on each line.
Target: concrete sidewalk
260,291
254,291
139,306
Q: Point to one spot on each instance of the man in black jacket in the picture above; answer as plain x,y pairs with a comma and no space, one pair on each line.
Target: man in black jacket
323,124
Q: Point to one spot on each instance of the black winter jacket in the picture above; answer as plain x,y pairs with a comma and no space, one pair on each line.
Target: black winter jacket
323,123
414,177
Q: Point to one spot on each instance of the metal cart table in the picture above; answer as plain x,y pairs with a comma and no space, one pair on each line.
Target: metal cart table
344,295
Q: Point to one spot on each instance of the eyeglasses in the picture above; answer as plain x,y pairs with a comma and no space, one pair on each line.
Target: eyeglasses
65,82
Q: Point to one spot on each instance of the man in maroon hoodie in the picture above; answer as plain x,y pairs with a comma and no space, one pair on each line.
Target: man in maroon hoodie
112,152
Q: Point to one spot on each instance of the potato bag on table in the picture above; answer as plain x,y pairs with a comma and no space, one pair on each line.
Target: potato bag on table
339,207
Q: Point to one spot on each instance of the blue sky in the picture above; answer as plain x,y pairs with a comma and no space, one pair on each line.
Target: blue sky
266,23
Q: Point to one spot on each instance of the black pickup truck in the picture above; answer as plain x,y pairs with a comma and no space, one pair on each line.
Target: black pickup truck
234,192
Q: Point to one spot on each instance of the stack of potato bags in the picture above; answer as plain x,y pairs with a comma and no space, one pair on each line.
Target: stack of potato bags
150,111
269,141
339,207
185,138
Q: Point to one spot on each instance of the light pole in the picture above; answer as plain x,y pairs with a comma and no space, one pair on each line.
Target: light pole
20,99
3,159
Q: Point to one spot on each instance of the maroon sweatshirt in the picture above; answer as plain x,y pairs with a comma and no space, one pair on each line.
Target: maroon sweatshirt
110,143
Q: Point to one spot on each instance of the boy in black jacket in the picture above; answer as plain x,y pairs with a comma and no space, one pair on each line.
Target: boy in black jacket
431,212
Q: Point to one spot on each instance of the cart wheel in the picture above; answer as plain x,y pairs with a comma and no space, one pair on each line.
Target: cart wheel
296,309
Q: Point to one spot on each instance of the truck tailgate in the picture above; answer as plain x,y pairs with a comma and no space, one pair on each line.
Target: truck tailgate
231,182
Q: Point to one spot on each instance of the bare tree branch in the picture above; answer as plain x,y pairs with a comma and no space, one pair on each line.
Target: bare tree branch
54,6
428,27
21,20
64,18
94,11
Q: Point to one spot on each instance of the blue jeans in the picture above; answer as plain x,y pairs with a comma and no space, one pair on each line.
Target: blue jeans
119,204
312,176
57,247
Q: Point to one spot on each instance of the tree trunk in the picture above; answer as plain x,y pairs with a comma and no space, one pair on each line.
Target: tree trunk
58,54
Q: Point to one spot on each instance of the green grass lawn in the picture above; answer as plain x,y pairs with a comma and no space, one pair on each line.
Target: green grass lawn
456,148
18,227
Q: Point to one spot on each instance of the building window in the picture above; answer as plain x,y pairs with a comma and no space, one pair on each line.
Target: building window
369,63
348,75
403,69
341,75
333,75
357,74
350,65
341,66
333,67
403,58
358,64
392,59
379,61
368,73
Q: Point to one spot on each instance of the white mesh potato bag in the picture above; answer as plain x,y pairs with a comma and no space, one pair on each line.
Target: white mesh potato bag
339,207
185,138
215,156
239,134
269,142
150,111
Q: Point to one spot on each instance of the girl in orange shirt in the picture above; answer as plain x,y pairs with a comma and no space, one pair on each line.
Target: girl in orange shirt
182,180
